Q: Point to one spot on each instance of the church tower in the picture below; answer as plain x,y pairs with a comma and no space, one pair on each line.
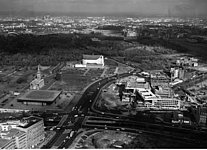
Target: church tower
38,73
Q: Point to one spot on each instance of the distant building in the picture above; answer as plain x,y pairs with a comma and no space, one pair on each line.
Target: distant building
34,129
38,82
177,73
185,61
158,78
93,60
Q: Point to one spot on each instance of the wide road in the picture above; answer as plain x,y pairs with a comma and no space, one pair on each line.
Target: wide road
78,111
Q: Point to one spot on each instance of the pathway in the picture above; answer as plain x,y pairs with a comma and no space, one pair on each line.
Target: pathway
104,72
86,72
116,70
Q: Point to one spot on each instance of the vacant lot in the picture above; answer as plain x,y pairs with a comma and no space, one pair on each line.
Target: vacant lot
115,139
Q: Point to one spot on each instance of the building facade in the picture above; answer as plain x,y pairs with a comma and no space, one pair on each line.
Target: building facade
89,60
13,139
34,129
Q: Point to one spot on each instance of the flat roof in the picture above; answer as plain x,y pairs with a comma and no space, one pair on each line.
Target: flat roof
13,132
91,57
29,121
40,95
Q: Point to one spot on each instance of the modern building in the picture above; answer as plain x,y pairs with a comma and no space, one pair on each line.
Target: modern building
40,97
38,82
177,73
92,61
156,101
159,78
34,129
13,139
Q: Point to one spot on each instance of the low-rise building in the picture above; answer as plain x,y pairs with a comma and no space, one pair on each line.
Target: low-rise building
40,97
92,61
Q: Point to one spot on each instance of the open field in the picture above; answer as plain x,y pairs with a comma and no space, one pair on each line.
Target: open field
74,80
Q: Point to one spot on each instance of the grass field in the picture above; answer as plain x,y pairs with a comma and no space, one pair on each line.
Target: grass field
74,80
94,73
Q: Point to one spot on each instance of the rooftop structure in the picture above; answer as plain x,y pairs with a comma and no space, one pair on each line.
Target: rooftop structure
147,94
27,122
40,97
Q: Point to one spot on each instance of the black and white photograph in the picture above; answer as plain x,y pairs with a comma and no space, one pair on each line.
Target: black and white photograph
103,74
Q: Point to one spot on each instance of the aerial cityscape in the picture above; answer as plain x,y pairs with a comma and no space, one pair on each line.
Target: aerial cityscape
104,77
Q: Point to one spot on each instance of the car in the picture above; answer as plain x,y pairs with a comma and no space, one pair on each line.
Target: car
117,129
58,128
71,133
102,113
82,115
75,116
122,128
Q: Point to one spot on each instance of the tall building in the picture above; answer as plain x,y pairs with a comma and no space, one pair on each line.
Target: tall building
38,82
34,129
13,139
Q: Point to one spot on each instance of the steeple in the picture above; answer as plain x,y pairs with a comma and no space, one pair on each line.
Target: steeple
38,73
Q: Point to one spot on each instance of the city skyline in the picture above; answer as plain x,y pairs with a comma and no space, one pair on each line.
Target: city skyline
193,8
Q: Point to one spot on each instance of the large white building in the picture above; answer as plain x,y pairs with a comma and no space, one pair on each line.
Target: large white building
38,82
93,60
155,101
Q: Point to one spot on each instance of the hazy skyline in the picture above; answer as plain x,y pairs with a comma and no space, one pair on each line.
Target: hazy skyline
106,7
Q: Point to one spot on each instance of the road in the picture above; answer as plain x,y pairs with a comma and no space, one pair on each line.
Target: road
78,111
79,116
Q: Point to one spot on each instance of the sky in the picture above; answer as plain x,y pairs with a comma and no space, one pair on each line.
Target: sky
107,7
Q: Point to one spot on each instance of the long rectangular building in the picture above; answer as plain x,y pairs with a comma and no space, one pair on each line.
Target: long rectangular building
40,97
